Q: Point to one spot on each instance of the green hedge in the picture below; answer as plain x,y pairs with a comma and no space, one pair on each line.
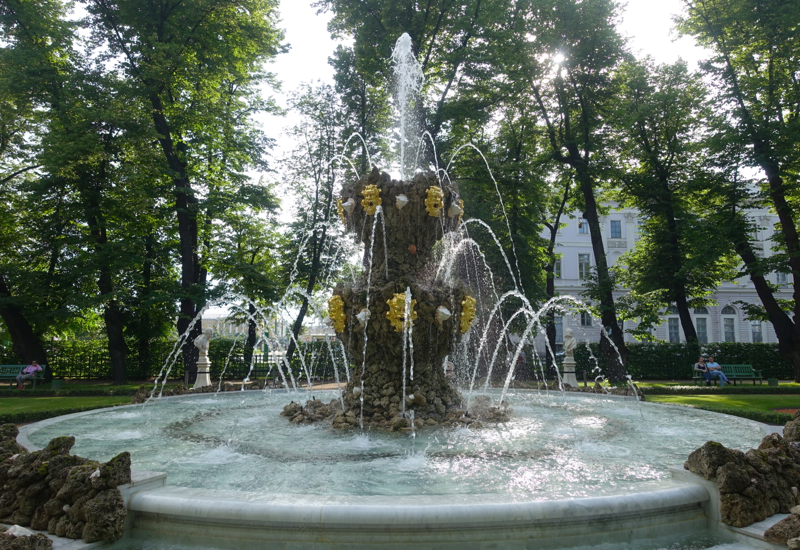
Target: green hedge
740,389
89,360
665,361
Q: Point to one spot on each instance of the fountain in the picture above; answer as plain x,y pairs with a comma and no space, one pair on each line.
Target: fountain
401,457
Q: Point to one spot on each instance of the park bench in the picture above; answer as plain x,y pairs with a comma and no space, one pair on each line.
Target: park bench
733,372
10,372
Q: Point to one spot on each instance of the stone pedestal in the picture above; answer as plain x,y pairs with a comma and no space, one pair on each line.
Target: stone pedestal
568,376
203,373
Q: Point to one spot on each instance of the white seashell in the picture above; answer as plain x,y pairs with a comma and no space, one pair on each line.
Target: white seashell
401,201
363,316
454,210
19,531
349,205
442,314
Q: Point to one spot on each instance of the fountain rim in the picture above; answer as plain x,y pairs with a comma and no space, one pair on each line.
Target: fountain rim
196,516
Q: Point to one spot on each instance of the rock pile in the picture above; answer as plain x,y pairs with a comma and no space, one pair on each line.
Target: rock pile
143,392
17,538
65,495
482,411
756,484
786,531
791,432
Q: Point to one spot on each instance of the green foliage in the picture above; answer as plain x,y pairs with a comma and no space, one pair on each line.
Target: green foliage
665,361
730,389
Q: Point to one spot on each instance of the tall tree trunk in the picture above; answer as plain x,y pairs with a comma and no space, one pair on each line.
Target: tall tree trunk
785,329
788,332
25,342
143,326
112,313
312,282
550,285
616,360
186,211
251,335
678,290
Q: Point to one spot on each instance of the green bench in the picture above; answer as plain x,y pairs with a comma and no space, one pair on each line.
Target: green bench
734,373
10,372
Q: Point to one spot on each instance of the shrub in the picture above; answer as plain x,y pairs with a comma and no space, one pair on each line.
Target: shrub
665,361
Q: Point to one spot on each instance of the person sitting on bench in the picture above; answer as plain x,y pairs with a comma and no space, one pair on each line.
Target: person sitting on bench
27,373
715,371
703,368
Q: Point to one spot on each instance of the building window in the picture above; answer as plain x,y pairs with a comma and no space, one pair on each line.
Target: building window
616,229
559,324
557,269
728,323
583,227
701,311
729,329
702,330
672,310
755,330
674,330
586,319
583,266
782,278
639,228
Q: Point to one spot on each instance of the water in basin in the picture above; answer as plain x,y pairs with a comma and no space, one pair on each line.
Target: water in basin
551,448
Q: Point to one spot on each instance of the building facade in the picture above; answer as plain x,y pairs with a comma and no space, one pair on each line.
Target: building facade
621,229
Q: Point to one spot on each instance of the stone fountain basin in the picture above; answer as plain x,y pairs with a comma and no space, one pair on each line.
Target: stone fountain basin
209,513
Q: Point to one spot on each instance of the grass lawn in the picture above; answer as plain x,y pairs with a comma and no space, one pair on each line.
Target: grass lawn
741,402
38,408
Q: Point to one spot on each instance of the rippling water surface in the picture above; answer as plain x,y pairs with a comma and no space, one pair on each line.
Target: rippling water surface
549,450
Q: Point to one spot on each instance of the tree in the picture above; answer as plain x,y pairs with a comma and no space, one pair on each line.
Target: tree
248,244
661,125
575,51
195,65
313,171
461,47
756,51
366,108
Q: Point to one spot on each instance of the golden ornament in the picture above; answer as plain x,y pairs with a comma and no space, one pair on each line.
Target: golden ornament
397,311
467,313
336,312
434,202
372,199
340,210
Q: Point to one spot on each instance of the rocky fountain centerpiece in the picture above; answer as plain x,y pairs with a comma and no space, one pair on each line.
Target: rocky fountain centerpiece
399,323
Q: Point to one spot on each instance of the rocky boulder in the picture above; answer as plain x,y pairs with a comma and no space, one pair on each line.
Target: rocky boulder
791,431
33,541
752,485
66,495
786,531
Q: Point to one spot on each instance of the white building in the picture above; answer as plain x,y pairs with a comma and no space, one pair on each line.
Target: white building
724,322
